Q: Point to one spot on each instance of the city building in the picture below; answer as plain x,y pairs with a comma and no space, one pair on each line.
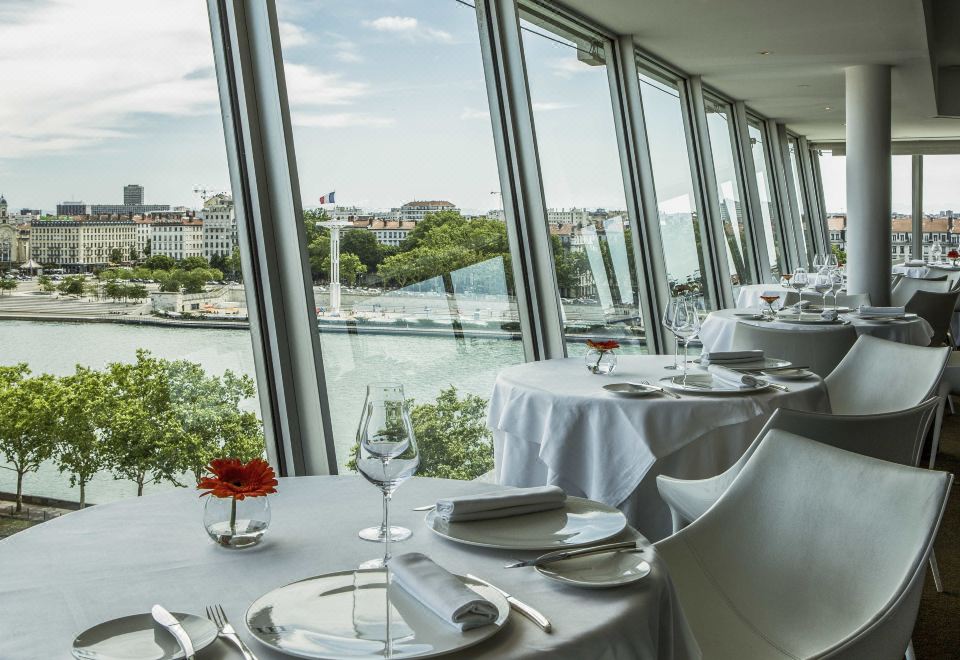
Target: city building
416,210
132,195
177,238
3,208
144,228
126,209
14,244
72,208
387,232
219,226
943,229
80,245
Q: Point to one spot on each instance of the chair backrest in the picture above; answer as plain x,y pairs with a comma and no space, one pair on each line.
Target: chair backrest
820,550
937,309
908,286
821,349
879,376
950,274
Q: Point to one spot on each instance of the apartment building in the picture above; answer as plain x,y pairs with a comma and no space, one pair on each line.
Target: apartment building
219,226
82,244
178,239
416,210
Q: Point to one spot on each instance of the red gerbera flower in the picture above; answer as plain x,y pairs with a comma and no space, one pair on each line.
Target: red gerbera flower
232,478
601,346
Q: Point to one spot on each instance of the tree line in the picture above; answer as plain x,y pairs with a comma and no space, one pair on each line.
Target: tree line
147,421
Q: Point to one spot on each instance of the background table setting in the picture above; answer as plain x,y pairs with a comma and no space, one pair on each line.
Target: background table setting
556,423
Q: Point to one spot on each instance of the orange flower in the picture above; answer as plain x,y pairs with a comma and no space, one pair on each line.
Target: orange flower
232,478
953,254
602,346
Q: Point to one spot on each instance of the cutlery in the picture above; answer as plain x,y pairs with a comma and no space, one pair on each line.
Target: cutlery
644,383
551,557
428,507
173,626
518,605
769,369
224,629
776,386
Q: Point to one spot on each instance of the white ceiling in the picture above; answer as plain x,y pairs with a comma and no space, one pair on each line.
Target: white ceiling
810,43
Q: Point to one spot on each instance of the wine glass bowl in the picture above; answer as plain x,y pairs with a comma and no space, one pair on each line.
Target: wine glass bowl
771,300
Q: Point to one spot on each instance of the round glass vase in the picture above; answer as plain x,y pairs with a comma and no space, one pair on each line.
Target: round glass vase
233,523
600,362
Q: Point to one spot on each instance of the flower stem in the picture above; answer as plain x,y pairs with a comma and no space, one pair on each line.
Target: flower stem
596,367
233,516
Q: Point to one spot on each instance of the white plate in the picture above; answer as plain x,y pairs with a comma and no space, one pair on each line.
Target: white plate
631,390
605,571
580,522
809,319
139,637
345,615
886,319
789,374
749,315
698,384
757,365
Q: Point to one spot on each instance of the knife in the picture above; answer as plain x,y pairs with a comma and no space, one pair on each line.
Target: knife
518,605
579,552
173,626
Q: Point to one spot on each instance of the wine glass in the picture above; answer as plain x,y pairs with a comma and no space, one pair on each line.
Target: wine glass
831,261
936,251
686,326
387,455
799,283
669,318
817,262
770,312
836,284
906,255
822,284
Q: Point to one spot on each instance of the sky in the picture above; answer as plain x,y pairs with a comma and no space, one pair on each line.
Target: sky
387,98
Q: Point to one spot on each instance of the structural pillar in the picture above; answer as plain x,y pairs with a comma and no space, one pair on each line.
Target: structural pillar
868,181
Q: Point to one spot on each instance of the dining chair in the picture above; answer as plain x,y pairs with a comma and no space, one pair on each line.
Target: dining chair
820,350
896,437
812,552
937,310
950,274
905,288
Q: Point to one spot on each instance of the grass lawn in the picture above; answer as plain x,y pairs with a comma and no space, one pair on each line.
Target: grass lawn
10,526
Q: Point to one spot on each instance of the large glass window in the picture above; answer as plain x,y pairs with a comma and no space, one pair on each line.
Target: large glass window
679,223
393,143
720,128
808,246
583,183
941,196
766,193
126,362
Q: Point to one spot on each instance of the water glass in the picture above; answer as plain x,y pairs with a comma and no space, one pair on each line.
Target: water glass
669,319
936,251
831,261
387,455
836,284
799,283
822,283
686,326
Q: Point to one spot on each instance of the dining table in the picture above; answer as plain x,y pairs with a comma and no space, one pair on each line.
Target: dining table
112,560
554,423
748,297
717,329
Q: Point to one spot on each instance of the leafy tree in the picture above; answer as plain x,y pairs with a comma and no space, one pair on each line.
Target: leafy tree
569,265
114,290
73,285
116,255
7,284
192,263
193,281
27,421
46,284
134,254
364,245
840,254
350,267
233,265
160,262
147,249
82,413
135,291
219,261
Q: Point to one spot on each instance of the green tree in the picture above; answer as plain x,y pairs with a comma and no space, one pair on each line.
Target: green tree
7,284
135,292
82,413
840,254
193,281
27,421
73,285
159,262
114,290
192,263
569,265
147,249
134,254
46,284
364,244
233,265
116,255
350,267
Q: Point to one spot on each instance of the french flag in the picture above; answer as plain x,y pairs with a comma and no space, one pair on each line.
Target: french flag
328,198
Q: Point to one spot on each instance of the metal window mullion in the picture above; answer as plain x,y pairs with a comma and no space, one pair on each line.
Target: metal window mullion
747,170
649,266
263,176
791,215
916,171
521,185
700,157
812,200
817,177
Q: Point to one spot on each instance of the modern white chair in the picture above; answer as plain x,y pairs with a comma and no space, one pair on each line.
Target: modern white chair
906,287
812,552
937,309
821,351
952,276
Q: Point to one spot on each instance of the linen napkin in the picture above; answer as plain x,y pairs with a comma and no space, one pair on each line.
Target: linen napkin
727,357
500,504
731,377
441,592
866,311
828,315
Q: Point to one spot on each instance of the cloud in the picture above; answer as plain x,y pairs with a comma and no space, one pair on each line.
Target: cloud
568,67
409,28
307,86
474,113
549,106
292,35
340,120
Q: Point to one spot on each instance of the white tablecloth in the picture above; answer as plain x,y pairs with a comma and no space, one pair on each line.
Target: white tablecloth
749,295
716,333
118,559
911,271
553,423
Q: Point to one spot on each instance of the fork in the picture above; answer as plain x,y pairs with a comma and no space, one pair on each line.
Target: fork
662,390
216,614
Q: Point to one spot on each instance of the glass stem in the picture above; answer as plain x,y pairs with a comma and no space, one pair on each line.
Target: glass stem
676,350
686,344
386,528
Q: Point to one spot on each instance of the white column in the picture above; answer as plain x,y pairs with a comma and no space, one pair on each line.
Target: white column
335,270
868,181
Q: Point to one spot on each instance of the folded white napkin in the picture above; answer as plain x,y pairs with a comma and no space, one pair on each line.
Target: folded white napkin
441,592
866,311
828,315
731,377
915,262
726,357
500,504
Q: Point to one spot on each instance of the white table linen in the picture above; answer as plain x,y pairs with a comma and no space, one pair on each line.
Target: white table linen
716,332
117,559
749,295
911,271
554,424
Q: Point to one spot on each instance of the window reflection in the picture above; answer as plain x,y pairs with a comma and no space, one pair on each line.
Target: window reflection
765,191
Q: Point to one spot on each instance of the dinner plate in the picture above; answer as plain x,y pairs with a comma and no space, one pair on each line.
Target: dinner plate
830,308
632,390
789,374
755,365
698,384
749,316
811,319
580,522
603,571
886,319
139,637
348,615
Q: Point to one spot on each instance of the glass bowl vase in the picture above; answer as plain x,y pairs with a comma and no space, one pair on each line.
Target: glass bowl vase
233,523
600,362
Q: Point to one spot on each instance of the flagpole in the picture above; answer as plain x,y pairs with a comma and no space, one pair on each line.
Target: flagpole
334,226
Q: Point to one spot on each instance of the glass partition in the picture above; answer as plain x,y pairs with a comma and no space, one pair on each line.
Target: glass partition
583,183
807,245
766,190
405,231
941,196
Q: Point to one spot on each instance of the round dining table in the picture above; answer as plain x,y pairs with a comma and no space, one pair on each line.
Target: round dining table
553,423
716,331
748,297
112,560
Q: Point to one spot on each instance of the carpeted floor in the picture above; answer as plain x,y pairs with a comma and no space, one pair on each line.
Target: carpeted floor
937,633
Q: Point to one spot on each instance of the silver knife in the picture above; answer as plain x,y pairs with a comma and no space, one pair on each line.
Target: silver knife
551,557
170,622
518,605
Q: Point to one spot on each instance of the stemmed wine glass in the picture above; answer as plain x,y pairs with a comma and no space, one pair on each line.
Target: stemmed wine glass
686,326
822,283
936,251
836,284
771,312
818,262
831,261
669,319
387,455
799,283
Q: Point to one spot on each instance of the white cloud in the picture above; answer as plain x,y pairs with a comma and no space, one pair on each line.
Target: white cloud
474,113
292,35
409,28
568,66
339,120
549,106
307,86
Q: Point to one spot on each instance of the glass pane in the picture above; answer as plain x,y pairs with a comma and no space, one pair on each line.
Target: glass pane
901,207
807,244
833,175
679,225
393,141
583,186
768,208
941,195
728,192
132,338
